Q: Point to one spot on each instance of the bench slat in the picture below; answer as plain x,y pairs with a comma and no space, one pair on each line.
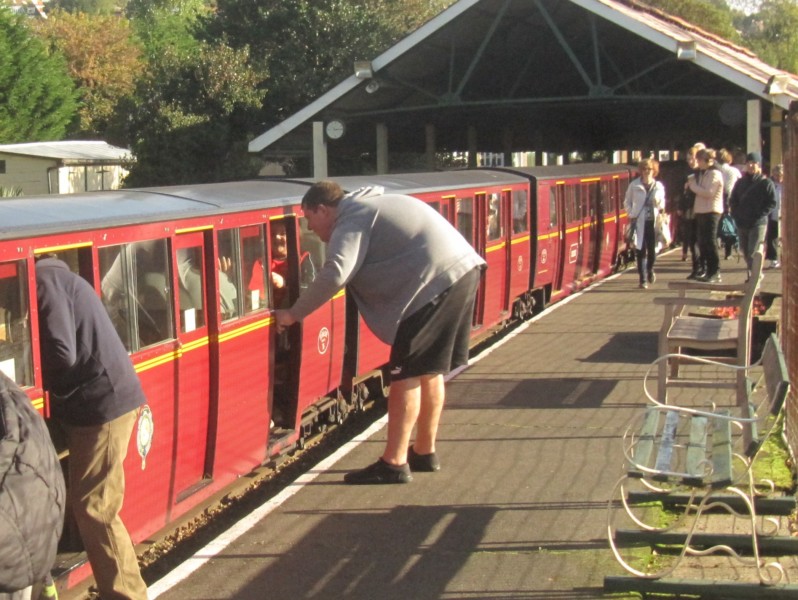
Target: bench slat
666,442
696,451
721,451
645,444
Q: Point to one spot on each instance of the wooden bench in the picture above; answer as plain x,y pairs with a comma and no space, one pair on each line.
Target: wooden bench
703,456
682,329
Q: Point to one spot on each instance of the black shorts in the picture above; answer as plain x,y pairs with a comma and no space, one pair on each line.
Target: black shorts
434,339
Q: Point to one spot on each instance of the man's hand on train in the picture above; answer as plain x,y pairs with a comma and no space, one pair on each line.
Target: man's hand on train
283,319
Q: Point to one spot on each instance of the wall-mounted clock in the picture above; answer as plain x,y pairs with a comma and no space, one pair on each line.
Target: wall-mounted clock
335,129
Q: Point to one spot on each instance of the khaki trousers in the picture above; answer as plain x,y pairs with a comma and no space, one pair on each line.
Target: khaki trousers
96,491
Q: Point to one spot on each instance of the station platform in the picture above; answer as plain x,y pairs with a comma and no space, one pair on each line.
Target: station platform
530,450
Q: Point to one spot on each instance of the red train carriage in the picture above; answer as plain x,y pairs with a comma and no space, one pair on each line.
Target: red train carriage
577,216
190,276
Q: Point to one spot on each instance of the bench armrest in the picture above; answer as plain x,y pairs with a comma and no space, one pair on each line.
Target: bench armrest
709,302
654,366
689,286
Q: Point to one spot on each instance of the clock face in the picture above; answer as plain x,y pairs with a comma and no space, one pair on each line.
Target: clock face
334,129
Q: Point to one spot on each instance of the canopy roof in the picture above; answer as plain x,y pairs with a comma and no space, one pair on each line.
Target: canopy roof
554,75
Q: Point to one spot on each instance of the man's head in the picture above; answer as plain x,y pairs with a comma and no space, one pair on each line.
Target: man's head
778,173
753,163
320,206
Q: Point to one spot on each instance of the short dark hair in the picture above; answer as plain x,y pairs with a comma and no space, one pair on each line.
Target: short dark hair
324,192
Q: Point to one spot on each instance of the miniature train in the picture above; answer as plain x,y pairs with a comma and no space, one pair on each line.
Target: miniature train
186,274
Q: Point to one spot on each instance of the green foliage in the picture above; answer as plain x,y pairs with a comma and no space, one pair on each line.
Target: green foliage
37,97
104,60
773,33
190,121
167,27
92,7
714,16
10,192
307,46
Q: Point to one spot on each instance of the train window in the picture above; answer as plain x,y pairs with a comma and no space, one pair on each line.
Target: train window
594,197
520,224
137,293
191,288
253,257
311,252
229,274
552,207
15,339
465,218
495,218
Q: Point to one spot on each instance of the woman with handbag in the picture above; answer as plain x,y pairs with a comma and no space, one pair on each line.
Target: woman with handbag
645,198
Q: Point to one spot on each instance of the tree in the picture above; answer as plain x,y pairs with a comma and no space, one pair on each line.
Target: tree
189,123
104,60
307,46
94,7
714,16
167,27
773,33
37,96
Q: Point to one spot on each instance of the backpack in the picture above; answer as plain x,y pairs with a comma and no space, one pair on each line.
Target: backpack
727,230
32,492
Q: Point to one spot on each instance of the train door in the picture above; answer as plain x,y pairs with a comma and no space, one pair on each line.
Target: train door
593,227
494,209
471,226
284,283
193,364
506,230
560,259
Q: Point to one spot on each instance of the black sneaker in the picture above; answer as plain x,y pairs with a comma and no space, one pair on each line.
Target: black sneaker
652,277
427,463
380,472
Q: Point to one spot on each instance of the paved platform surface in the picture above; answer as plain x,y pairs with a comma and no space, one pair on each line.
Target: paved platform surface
530,449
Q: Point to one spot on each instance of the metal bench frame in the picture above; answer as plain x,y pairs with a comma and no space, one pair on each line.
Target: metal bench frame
705,456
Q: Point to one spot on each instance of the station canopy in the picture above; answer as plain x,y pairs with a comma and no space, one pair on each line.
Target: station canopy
547,75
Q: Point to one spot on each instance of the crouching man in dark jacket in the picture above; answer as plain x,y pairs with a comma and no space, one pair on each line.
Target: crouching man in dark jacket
95,393
32,495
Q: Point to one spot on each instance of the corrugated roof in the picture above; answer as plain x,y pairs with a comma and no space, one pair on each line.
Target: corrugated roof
69,150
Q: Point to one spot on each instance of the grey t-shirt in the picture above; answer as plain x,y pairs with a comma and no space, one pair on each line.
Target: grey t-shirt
395,253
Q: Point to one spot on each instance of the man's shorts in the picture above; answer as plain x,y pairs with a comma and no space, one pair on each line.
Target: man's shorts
434,339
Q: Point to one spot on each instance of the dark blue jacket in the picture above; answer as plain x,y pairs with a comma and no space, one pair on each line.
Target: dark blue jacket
32,493
85,366
751,200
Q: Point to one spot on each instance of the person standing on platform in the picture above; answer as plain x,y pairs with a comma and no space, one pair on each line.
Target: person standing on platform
751,201
730,176
686,215
414,279
95,393
772,232
707,185
644,200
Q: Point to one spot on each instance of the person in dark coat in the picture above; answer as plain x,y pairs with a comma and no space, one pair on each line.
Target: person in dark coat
751,200
32,494
95,393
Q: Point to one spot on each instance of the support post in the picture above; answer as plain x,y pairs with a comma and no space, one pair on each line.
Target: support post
776,141
753,131
319,151
382,148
